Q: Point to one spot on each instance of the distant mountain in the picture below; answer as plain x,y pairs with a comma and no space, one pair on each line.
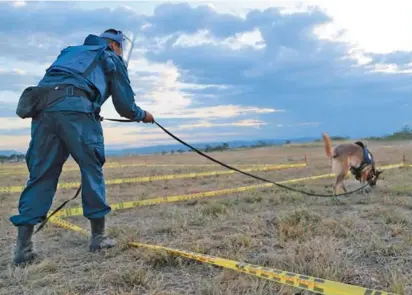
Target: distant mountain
8,153
175,147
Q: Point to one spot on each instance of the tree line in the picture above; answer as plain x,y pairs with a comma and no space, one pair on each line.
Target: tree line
12,158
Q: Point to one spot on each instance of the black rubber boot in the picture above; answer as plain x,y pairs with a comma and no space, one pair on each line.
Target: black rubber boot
99,240
23,252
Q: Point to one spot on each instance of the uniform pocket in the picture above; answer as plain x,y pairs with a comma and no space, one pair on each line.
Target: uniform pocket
92,131
92,138
29,155
100,154
39,128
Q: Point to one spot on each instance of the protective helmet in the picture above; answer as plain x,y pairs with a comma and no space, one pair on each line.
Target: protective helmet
125,43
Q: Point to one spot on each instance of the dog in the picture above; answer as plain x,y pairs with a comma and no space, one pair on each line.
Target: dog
354,157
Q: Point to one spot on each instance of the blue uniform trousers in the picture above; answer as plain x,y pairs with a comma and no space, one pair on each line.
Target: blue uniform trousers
55,136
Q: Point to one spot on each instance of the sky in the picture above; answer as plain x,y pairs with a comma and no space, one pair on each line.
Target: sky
227,70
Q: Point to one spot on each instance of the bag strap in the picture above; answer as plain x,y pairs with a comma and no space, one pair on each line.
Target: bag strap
92,67
94,63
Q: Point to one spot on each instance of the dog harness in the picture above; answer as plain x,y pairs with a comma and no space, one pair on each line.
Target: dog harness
366,160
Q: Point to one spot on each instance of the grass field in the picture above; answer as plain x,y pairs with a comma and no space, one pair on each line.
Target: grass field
361,239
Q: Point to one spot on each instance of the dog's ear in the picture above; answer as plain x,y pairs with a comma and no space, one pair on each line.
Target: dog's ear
378,173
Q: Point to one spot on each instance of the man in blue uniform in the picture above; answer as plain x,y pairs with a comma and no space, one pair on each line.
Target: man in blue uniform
81,79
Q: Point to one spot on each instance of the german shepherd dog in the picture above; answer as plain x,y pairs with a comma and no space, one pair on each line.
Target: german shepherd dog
351,156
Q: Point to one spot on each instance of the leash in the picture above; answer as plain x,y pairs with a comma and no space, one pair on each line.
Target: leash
57,210
210,158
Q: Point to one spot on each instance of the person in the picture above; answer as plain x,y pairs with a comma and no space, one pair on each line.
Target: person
85,76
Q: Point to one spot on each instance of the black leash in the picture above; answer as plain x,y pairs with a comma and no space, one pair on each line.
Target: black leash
210,158
57,210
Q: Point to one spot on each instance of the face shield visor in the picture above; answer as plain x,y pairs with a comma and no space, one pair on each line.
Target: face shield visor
126,44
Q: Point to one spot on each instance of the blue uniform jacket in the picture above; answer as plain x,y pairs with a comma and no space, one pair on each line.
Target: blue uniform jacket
109,78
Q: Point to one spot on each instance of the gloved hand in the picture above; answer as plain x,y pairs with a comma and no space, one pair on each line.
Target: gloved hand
148,118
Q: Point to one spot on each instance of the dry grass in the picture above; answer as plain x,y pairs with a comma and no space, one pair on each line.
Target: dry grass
360,239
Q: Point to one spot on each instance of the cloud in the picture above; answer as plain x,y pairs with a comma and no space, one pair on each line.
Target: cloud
192,19
162,92
251,39
197,68
221,111
147,135
394,62
398,57
7,109
19,3
304,124
13,142
17,80
39,31
13,123
314,79
8,104
310,124
207,124
287,39
15,131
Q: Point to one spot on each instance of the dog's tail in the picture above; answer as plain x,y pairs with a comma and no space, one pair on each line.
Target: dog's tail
328,145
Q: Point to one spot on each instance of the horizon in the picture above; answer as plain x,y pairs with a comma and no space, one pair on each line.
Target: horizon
213,71
239,143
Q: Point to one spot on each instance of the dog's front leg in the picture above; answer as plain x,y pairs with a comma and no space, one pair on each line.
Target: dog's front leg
366,190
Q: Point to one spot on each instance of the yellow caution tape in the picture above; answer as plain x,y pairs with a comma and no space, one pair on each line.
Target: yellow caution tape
12,170
304,282
171,199
162,200
392,166
66,185
67,225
